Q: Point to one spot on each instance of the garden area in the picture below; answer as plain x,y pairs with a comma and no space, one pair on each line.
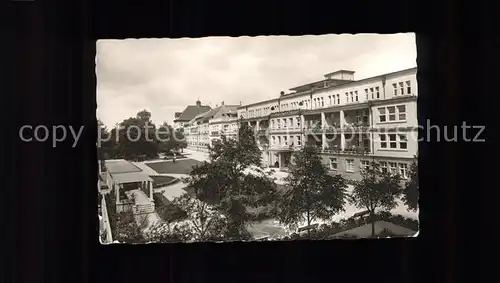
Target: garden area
179,167
166,210
162,181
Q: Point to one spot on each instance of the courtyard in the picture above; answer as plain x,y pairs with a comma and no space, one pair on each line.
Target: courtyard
168,167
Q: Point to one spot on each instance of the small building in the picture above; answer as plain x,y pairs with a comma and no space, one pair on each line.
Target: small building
123,176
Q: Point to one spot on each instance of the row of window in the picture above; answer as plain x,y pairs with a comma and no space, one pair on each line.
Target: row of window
392,113
285,123
399,88
286,140
392,167
395,141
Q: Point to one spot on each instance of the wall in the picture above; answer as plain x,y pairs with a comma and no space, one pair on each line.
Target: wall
400,128
105,221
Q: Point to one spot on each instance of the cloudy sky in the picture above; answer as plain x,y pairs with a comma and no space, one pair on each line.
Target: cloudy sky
165,75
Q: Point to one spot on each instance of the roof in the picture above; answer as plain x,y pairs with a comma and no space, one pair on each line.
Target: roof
320,84
338,72
191,111
347,83
116,166
133,177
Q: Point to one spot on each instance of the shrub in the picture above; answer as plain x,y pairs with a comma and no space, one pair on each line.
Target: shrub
166,210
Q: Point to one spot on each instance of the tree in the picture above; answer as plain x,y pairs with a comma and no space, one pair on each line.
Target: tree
137,136
233,181
377,189
203,223
127,230
106,144
411,192
311,192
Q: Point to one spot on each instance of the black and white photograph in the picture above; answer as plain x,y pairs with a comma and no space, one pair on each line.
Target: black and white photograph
268,138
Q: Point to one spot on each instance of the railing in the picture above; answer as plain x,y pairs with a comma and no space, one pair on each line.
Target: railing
283,147
285,129
348,150
214,133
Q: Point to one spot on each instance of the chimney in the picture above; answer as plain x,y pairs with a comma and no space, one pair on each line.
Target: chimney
198,103
222,103
282,93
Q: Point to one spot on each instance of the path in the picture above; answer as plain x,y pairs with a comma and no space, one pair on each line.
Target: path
141,199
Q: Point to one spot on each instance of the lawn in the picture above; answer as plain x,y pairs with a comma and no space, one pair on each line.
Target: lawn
179,167
161,181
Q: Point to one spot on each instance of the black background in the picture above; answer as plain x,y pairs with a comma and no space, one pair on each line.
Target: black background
50,204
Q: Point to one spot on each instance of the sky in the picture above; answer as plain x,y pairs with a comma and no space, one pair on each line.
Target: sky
163,76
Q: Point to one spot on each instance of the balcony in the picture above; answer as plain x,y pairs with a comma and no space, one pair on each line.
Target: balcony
310,129
215,133
285,129
285,147
358,150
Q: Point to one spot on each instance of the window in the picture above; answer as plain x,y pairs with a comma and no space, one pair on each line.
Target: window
338,98
330,100
392,168
408,87
383,141
365,117
322,102
298,140
349,165
358,117
402,87
378,92
403,170
402,112
347,97
298,122
392,113
285,141
403,142
290,122
366,93
278,123
274,140
383,166
291,141
382,117
392,141
284,123
352,97
371,91
365,164
400,115
279,140
395,86
356,93
333,163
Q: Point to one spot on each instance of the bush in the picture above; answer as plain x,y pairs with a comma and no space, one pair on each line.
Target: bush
398,220
166,210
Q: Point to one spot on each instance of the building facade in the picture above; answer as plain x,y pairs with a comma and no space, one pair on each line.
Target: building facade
208,127
351,122
182,119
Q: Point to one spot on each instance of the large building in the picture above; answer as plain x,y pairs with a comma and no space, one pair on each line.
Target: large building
207,127
351,122
182,119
